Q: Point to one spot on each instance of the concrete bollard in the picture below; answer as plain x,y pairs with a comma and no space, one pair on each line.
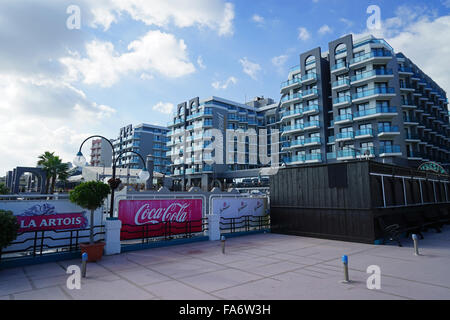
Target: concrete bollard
222,239
416,244
345,263
84,259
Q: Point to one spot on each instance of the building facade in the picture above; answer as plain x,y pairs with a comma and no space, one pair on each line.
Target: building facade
362,100
206,148
101,153
147,140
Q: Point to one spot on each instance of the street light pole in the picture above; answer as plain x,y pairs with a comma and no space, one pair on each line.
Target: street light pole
80,161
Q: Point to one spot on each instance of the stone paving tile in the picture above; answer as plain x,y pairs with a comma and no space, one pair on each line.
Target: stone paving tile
53,293
44,270
13,273
143,276
276,268
109,290
217,280
14,286
175,290
251,264
186,268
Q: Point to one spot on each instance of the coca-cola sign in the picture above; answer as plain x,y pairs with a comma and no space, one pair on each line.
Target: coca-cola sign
154,218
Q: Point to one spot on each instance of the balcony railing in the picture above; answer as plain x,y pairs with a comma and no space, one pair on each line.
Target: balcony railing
342,82
376,110
292,113
294,127
390,149
388,129
313,157
346,154
372,92
311,124
370,55
363,132
372,73
290,82
310,108
342,100
339,66
309,76
343,117
292,97
345,135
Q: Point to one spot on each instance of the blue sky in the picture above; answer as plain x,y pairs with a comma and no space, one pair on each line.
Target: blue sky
132,61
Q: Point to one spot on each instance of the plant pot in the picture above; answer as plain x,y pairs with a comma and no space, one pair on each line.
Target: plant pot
94,251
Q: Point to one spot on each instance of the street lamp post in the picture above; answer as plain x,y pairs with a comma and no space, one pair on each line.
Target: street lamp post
80,161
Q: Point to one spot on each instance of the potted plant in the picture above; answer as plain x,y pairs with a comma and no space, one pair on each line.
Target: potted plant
9,228
90,195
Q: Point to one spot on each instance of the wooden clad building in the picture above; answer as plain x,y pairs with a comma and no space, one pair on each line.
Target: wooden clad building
345,201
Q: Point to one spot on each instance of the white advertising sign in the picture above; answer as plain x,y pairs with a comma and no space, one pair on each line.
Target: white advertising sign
239,207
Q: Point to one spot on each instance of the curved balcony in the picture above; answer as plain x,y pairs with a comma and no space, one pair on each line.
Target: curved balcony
290,114
296,97
311,93
290,84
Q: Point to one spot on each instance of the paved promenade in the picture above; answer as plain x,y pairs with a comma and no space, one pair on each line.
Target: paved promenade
257,267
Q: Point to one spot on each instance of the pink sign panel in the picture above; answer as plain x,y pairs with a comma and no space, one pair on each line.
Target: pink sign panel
154,218
44,217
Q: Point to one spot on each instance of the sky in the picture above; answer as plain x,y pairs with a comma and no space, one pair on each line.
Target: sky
133,61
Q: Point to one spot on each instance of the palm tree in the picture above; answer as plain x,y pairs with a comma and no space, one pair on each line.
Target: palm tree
45,162
54,168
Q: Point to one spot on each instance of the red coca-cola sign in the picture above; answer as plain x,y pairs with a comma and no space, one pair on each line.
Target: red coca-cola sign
154,218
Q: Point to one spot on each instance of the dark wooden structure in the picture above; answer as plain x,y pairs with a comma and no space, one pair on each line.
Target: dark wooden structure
356,201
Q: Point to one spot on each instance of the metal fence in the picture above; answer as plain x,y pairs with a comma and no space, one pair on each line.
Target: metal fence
163,231
244,224
39,243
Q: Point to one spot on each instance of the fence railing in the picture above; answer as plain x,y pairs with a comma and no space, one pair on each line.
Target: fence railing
244,224
163,231
42,242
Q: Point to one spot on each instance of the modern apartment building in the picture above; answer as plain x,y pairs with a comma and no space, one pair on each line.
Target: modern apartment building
147,140
362,100
101,153
192,133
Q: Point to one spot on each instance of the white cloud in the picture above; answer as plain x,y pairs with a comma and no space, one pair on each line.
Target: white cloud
250,68
258,19
279,61
215,14
200,62
41,114
164,107
224,84
423,37
347,22
154,52
325,29
303,34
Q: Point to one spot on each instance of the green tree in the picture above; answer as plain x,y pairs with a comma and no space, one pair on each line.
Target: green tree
90,195
9,228
54,168
3,189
